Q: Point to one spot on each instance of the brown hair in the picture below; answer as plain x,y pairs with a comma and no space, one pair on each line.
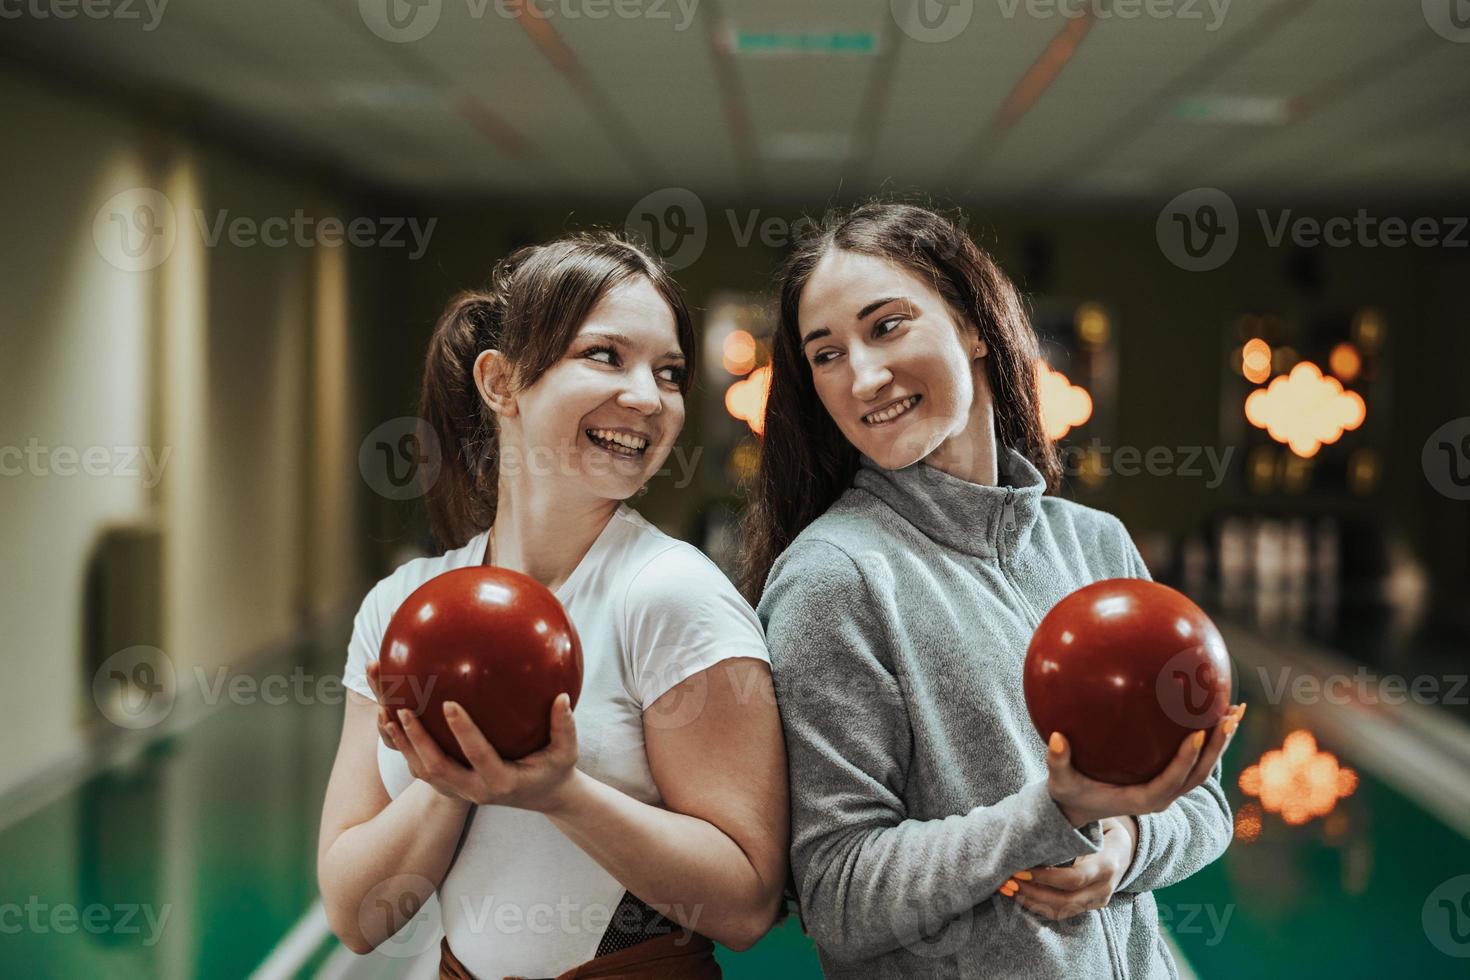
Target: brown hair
806,463
537,300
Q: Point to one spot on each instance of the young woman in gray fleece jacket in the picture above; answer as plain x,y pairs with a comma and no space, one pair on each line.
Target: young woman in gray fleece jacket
902,545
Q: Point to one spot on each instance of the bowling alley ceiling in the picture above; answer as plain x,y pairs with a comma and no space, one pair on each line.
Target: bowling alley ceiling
816,99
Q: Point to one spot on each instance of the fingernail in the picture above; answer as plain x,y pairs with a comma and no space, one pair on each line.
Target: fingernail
1199,739
450,708
403,716
1241,714
1024,875
1056,743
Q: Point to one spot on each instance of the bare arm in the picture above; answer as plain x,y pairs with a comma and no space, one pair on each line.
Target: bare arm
379,859
715,860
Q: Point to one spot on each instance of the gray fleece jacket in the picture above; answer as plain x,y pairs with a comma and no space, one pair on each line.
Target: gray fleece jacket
897,624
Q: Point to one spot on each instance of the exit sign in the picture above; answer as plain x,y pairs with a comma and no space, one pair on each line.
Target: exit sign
803,42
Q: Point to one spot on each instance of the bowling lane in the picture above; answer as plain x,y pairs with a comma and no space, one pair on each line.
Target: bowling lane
192,859
207,843
1357,889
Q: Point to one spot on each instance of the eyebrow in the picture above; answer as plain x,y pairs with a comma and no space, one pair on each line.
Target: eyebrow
626,341
862,314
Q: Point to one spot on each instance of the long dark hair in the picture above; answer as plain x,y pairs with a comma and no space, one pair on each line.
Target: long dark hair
806,462
536,301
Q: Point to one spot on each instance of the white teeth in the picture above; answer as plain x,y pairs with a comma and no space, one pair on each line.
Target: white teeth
635,443
892,412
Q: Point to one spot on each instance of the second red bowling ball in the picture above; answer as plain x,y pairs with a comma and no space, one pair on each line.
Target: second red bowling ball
493,640
1125,669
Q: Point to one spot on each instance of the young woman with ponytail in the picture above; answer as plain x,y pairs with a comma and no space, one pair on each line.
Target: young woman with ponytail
903,542
656,819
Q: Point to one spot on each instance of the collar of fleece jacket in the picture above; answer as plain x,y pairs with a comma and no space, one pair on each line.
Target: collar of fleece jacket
971,518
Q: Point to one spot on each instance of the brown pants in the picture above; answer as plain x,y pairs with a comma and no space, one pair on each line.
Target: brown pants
674,956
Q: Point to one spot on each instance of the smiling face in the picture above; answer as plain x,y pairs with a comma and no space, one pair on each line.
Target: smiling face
890,361
604,416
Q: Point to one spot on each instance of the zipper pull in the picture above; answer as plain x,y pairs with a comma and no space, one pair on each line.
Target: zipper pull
1008,513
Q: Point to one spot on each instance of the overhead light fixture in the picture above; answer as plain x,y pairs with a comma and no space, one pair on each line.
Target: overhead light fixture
1245,110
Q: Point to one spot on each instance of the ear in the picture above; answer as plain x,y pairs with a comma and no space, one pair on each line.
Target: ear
978,347
493,381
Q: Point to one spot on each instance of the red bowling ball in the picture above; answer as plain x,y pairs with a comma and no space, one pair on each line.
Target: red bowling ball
494,641
1125,669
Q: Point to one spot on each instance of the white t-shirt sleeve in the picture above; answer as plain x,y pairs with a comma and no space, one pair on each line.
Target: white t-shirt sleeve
367,637
683,615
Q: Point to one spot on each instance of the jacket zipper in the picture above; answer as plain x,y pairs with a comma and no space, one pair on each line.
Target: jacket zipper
1008,523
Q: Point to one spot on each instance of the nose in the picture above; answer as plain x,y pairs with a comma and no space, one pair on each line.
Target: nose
869,374
641,393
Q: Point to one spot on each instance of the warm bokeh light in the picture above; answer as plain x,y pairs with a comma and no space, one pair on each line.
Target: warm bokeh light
746,399
1063,404
1248,823
1363,471
1093,326
737,354
1368,329
1345,362
1255,360
1298,780
1304,409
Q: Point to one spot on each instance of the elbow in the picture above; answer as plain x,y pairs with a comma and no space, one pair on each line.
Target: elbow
755,926
347,931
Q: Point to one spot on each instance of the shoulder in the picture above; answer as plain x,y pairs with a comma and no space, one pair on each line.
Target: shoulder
1096,533
841,552
390,591
664,572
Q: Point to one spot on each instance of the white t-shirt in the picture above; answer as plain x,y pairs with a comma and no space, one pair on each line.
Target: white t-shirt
521,899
